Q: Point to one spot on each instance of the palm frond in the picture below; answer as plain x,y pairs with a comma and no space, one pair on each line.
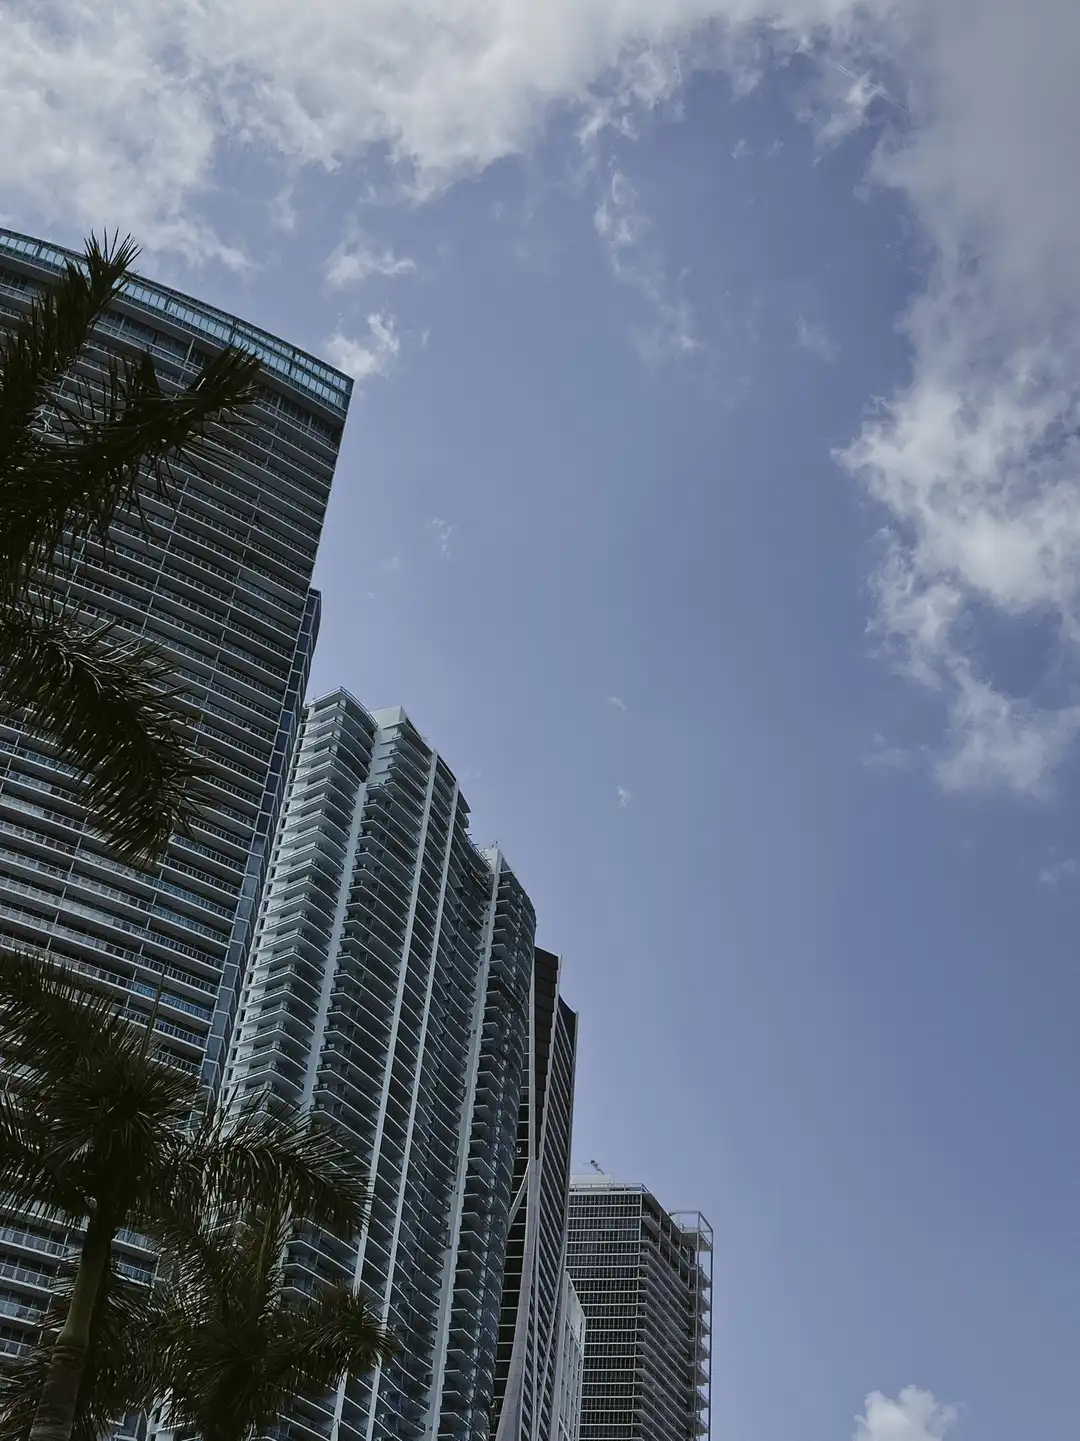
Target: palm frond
31,1175
110,708
37,353
257,1158
121,436
50,1018
338,1333
75,449
35,357
90,1115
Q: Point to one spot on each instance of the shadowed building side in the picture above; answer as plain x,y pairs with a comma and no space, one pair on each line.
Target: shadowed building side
530,1326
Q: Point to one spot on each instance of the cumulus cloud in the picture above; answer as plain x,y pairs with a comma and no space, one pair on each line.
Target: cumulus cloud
624,797
125,109
123,114
373,354
974,461
914,1416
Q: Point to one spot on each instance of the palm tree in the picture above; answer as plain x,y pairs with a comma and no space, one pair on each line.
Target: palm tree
235,1343
75,452
98,1132
222,1338
119,1378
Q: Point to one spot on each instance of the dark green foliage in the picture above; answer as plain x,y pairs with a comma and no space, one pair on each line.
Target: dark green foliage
75,452
96,1129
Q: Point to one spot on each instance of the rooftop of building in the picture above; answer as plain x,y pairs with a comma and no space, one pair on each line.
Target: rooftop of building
328,387
390,718
692,1223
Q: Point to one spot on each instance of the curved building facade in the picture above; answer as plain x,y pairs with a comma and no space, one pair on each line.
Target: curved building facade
218,577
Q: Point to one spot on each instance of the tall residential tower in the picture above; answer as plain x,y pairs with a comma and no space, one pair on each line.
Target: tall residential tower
220,581
390,991
644,1277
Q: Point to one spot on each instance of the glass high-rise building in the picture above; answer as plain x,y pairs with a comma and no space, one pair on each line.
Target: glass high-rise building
220,580
390,990
534,1288
644,1277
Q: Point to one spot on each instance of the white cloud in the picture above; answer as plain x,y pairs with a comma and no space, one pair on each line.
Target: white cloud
354,262
624,797
618,702
121,114
443,530
813,337
373,355
914,1416
974,461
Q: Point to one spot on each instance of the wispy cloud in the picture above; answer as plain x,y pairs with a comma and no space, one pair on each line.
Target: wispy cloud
885,757
355,261
624,797
626,231
914,1416
442,530
812,336
618,703
1054,872
282,211
373,354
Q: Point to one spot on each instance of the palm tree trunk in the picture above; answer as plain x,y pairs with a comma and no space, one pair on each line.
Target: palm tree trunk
55,1415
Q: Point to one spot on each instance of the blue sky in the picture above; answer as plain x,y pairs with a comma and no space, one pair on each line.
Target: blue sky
709,498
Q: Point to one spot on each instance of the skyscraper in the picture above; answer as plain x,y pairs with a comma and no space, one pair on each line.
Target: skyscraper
220,581
534,1295
644,1277
390,991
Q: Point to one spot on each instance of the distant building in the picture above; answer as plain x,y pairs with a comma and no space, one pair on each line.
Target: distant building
391,990
220,581
644,1278
570,1365
530,1325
